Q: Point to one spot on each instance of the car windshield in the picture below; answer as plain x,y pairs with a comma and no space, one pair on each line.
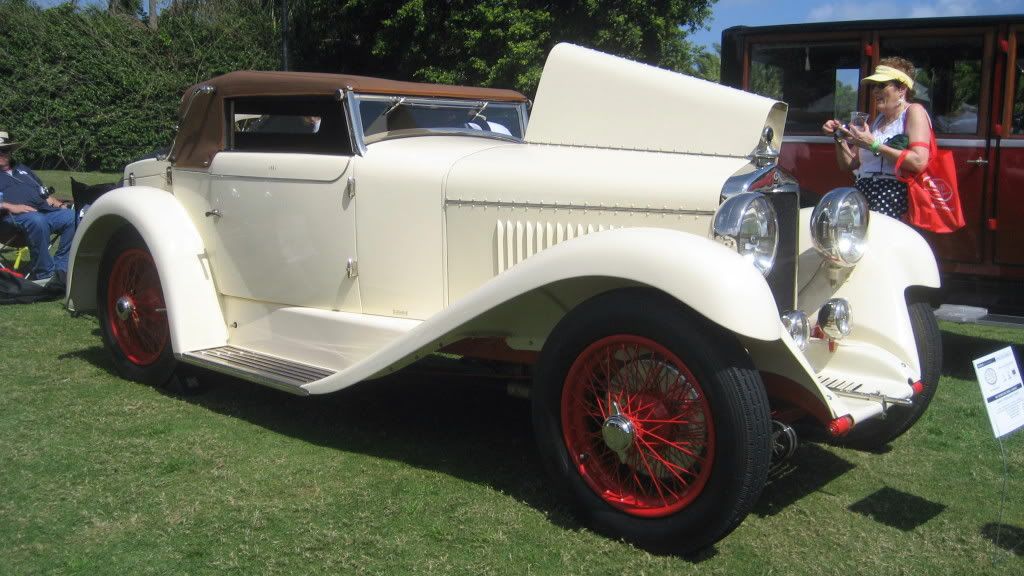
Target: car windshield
385,116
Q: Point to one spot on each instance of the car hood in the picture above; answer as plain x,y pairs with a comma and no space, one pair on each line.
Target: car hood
587,98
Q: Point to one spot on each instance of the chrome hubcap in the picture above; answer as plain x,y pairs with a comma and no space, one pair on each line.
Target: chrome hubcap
618,432
124,307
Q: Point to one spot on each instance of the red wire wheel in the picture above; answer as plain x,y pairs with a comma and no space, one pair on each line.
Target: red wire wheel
136,312
637,426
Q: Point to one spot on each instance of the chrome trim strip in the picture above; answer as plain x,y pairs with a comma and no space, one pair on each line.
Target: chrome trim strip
1014,143
807,140
851,390
882,399
957,143
257,367
943,142
355,123
580,207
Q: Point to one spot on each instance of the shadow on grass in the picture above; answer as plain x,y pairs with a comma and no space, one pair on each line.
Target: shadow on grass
959,352
458,425
810,469
900,510
1005,536
95,355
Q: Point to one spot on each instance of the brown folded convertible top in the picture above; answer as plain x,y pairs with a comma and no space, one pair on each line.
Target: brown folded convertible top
201,134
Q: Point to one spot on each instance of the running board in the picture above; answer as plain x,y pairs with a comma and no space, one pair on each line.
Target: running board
258,367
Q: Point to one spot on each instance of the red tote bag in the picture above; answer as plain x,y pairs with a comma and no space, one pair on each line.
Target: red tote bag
933,197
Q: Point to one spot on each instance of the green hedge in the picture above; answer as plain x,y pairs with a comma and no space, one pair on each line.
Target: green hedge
88,90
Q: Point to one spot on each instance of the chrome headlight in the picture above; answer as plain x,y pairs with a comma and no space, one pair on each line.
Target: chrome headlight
799,327
834,318
747,223
839,226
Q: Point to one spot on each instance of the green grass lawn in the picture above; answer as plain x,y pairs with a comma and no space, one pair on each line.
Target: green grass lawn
423,474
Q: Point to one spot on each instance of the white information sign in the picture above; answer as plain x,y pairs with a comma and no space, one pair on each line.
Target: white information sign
1002,390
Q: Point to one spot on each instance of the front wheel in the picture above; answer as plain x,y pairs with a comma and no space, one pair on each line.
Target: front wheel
651,420
132,312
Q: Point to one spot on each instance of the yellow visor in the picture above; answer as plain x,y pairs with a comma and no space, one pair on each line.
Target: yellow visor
887,73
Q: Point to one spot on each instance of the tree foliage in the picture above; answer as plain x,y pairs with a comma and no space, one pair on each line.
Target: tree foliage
488,43
89,88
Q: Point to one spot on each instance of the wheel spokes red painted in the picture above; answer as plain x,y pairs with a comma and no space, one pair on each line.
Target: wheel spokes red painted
142,334
670,453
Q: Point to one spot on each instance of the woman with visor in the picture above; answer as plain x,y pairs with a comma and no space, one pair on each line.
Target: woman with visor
899,128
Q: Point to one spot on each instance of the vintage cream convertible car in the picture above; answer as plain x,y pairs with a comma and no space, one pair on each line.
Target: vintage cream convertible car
632,240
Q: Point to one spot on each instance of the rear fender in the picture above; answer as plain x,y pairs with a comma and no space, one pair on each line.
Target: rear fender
193,307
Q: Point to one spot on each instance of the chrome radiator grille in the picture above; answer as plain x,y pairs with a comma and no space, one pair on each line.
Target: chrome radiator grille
782,278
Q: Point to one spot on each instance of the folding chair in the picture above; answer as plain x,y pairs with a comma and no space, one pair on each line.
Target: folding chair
13,248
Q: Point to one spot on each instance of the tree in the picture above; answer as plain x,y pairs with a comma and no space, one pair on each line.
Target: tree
708,65
489,43
87,89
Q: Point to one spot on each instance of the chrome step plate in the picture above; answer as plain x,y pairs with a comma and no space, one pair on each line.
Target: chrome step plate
258,367
851,389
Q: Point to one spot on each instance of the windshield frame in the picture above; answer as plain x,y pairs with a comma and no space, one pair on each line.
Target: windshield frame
361,140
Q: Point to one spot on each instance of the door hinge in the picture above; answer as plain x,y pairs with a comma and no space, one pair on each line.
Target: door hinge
352,269
350,187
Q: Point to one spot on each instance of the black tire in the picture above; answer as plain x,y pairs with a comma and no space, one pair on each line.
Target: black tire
874,434
720,412
139,339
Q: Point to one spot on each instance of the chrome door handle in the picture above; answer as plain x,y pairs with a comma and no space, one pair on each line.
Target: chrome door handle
213,212
978,161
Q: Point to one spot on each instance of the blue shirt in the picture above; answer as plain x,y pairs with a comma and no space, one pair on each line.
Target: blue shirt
22,186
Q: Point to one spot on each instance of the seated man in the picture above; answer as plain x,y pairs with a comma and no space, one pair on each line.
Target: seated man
25,203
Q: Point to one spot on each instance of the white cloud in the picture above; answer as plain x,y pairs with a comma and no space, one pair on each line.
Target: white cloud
862,11
944,8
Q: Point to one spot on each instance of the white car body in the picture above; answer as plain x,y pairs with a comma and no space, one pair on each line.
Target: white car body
343,268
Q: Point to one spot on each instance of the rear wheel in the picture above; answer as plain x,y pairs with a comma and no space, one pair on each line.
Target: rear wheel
132,312
652,421
874,434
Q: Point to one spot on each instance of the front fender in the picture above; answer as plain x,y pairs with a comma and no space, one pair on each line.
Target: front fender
897,258
702,274
193,307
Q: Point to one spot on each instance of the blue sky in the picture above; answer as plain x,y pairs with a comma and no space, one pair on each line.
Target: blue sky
728,13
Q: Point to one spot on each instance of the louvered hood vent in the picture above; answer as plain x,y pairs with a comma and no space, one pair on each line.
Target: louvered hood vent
518,240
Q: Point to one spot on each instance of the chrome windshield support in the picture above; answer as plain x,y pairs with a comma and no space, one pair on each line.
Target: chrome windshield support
355,121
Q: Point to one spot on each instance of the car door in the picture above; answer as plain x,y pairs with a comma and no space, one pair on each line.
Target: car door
281,221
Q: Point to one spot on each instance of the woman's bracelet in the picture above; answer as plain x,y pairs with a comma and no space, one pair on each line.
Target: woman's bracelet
875,147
